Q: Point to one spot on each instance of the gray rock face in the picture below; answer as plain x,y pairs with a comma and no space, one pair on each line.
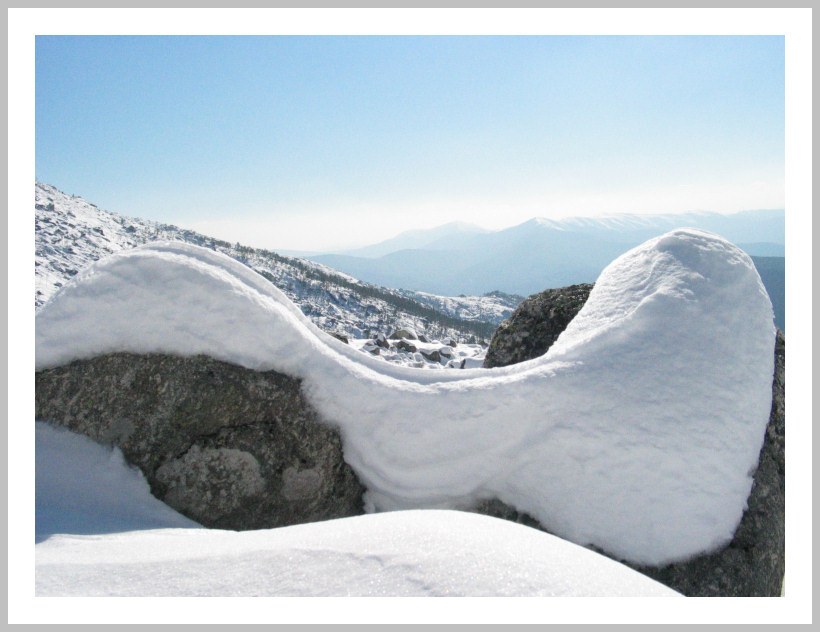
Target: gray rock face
226,446
753,563
534,325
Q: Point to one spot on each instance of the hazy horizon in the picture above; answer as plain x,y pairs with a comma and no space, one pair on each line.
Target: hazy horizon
219,230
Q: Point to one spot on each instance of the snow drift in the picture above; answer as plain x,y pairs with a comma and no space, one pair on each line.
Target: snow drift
638,432
127,543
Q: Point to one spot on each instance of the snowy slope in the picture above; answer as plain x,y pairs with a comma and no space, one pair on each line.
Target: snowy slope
71,233
637,432
101,533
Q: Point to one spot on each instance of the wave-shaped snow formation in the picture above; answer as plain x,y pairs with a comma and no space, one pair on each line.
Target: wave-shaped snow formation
637,432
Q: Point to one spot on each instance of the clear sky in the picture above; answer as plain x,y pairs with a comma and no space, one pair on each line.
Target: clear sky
321,142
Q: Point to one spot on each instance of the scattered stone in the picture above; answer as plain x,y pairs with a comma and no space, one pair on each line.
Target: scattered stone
408,334
406,346
342,337
433,356
228,447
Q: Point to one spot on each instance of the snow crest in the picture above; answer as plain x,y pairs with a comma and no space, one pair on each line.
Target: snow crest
637,432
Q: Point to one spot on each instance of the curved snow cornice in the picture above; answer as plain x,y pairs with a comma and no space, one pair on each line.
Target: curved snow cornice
637,432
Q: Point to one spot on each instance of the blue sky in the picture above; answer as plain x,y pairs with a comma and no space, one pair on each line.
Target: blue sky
315,142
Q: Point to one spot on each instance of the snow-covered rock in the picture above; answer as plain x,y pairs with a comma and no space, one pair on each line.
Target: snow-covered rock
753,562
224,445
101,533
407,334
637,432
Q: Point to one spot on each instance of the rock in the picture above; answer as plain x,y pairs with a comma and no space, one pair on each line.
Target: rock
433,356
446,351
406,346
371,347
229,447
422,338
535,324
449,341
342,337
499,509
753,563
408,334
382,341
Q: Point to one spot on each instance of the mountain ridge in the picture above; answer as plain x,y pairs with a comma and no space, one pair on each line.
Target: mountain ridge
543,253
71,233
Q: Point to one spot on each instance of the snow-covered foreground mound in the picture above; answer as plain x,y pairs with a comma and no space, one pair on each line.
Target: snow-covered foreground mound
83,486
637,432
416,553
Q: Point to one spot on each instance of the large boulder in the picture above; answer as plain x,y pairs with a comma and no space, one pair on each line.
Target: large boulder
227,446
535,324
753,563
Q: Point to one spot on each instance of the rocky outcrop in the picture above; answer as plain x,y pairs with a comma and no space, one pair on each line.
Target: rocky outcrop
753,563
535,324
226,446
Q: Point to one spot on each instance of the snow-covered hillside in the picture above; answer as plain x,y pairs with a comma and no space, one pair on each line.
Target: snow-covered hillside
101,533
71,233
636,433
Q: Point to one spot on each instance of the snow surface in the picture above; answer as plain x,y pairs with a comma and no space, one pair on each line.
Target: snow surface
136,546
83,487
638,432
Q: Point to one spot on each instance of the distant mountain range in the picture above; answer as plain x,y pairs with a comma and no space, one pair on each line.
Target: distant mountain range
543,253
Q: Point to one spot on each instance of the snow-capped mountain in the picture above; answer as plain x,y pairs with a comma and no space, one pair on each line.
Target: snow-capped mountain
71,233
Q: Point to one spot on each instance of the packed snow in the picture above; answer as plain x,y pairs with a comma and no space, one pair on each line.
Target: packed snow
637,432
101,533
83,487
